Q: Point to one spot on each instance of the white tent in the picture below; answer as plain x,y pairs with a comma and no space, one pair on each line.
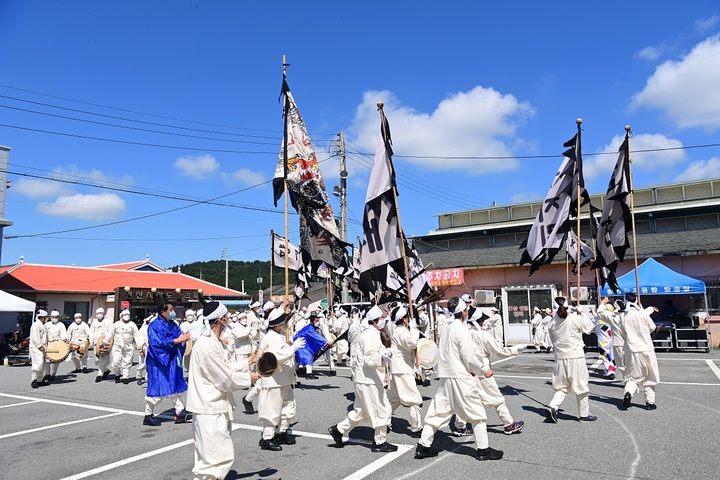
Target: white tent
11,303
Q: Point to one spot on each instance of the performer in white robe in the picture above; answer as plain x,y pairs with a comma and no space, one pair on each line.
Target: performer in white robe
642,367
38,346
56,332
340,326
545,332
614,317
494,325
371,403
79,336
276,400
402,389
99,331
188,322
458,392
538,335
142,344
570,373
260,326
243,336
125,336
209,398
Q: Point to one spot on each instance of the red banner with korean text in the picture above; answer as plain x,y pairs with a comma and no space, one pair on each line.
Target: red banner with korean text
446,276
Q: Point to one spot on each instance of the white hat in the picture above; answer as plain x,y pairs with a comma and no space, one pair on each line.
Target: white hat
100,310
255,304
461,306
374,313
268,305
466,298
189,313
242,315
277,317
399,314
41,313
214,310
77,315
54,313
125,312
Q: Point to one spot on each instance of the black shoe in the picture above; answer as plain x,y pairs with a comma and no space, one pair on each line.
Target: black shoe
336,435
44,383
426,383
34,384
650,406
98,379
52,377
589,418
77,370
85,370
416,433
126,381
331,373
150,420
311,376
418,380
383,447
183,417
46,378
105,375
269,445
626,400
284,438
249,409
489,454
422,451
117,379
552,414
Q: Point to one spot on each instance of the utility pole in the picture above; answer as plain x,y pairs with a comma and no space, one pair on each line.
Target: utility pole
343,205
227,257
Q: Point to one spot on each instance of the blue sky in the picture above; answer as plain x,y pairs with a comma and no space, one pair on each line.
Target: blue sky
459,79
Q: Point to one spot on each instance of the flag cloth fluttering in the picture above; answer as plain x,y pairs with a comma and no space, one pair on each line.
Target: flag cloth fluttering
571,246
616,219
298,167
553,220
383,239
278,257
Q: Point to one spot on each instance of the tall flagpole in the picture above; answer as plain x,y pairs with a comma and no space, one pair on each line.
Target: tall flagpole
632,212
286,111
383,123
272,257
578,148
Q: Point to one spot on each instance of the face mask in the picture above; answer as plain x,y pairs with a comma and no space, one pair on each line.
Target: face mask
125,318
78,320
99,316
54,319
381,324
172,315
243,322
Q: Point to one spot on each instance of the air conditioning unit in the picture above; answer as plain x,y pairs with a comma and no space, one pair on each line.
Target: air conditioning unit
584,294
485,297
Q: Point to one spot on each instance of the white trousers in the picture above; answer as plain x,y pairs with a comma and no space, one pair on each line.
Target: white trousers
404,391
152,402
371,406
37,371
140,372
459,396
214,451
619,357
571,375
80,361
276,409
642,370
122,360
102,363
493,398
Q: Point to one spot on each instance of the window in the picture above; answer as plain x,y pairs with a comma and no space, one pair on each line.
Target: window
713,297
71,308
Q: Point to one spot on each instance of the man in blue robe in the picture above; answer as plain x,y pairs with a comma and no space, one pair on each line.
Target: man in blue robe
166,347
314,342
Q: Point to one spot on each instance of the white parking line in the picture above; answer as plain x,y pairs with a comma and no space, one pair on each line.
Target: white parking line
18,404
48,427
379,463
72,404
713,367
121,463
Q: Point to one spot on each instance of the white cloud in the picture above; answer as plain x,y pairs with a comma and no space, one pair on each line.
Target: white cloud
600,166
72,172
704,24
701,170
103,206
650,53
199,167
36,188
244,176
524,197
479,122
686,90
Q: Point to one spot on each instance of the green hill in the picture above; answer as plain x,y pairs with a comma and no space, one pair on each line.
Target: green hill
214,272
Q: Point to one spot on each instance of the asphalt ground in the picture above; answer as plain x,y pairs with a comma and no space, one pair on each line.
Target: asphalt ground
76,429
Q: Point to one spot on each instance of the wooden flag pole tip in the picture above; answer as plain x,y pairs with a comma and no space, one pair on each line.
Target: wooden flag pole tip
627,128
380,105
578,121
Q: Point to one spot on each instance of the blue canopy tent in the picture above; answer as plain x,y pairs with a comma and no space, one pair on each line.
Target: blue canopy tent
657,279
